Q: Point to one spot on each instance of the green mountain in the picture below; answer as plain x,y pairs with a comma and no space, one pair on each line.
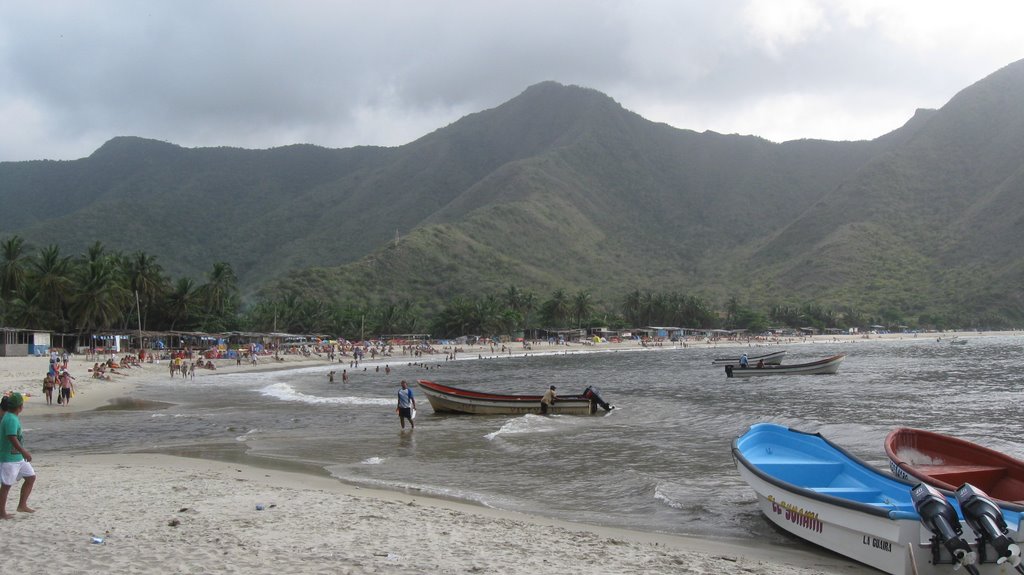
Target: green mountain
931,224
561,187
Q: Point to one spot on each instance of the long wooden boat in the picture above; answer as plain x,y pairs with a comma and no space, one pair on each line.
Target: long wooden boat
774,358
827,365
948,462
447,399
819,492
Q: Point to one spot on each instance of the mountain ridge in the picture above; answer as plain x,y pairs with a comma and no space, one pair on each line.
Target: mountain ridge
562,187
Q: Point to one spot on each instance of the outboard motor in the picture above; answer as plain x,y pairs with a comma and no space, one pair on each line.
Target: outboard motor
728,371
986,519
940,517
594,395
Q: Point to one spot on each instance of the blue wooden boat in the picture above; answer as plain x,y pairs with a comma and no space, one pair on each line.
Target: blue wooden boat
819,492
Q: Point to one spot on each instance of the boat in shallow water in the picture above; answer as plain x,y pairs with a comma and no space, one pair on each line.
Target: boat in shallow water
948,462
819,492
447,399
774,358
828,365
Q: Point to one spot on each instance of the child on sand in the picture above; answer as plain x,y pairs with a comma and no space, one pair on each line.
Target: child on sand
15,460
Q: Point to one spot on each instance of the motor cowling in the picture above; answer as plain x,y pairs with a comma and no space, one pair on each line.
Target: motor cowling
938,515
986,519
594,395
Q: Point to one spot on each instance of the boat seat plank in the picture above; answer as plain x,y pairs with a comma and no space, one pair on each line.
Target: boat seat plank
983,476
845,490
862,494
1008,488
933,469
802,472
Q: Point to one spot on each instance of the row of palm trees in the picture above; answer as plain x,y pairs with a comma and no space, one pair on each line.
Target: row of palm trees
514,311
103,290
108,290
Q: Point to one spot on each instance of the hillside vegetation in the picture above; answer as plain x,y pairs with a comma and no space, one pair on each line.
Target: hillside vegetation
561,188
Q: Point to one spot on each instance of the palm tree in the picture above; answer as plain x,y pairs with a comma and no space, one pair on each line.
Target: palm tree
396,318
632,308
100,297
95,251
347,321
487,315
522,304
219,295
582,307
146,280
29,310
456,319
733,311
12,268
181,301
49,275
698,312
529,306
557,309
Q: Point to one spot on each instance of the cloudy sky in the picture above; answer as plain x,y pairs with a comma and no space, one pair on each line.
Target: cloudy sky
338,73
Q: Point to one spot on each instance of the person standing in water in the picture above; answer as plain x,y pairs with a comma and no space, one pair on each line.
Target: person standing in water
548,400
406,405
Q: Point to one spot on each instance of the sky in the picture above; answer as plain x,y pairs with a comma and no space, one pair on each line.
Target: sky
341,73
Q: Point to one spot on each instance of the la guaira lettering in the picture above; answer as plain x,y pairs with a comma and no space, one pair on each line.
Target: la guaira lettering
878,543
797,515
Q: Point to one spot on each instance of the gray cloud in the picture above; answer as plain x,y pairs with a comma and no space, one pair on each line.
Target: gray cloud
265,73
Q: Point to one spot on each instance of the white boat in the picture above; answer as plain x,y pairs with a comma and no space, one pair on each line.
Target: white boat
819,492
774,358
822,366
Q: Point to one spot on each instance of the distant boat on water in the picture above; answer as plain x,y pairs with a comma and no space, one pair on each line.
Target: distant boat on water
774,358
829,365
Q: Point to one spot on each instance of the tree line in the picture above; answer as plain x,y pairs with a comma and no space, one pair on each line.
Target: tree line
102,290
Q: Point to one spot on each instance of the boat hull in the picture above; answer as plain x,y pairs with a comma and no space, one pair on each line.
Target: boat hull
879,542
948,462
774,358
446,399
816,491
829,365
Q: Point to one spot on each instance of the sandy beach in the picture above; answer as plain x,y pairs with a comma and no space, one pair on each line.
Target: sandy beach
149,513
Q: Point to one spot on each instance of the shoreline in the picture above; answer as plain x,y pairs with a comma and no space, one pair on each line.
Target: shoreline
322,524
212,516
25,374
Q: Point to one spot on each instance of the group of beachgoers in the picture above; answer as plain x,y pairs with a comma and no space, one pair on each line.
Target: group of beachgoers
58,378
187,369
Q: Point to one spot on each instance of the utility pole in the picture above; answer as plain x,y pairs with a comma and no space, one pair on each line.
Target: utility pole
138,310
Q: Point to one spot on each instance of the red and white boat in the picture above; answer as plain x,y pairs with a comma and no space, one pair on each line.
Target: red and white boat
447,399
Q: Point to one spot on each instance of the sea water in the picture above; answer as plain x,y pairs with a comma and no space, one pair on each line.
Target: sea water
660,461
